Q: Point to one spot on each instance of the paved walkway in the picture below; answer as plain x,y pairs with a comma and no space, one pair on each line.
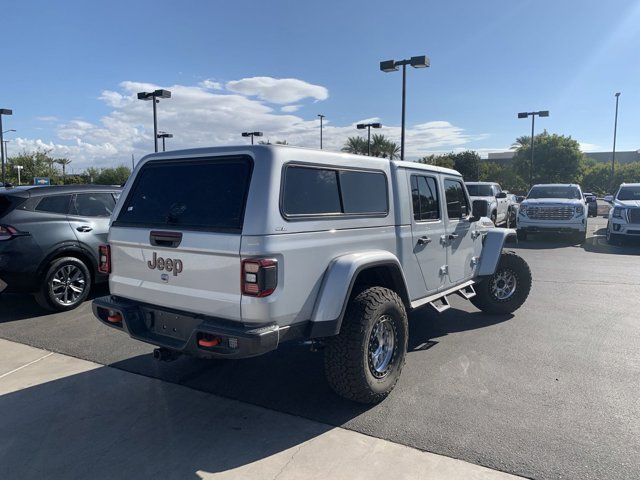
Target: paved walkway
69,418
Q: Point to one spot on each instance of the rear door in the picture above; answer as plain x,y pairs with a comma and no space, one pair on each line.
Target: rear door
459,239
89,217
176,239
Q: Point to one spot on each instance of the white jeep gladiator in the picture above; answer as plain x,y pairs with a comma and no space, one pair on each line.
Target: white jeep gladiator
228,252
499,205
624,217
558,208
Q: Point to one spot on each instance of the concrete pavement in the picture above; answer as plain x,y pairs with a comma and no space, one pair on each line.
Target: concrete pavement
69,418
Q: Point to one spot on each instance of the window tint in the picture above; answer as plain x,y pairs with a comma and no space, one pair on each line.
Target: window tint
363,192
425,198
480,190
554,192
93,204
54,204
457,205
317,191
198,195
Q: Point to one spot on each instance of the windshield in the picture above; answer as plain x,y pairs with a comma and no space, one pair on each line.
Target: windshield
555,192
629,193
480,190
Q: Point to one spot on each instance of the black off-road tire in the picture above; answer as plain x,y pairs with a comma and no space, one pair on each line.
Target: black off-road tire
521,234
45,296
485,298
346,357
613,238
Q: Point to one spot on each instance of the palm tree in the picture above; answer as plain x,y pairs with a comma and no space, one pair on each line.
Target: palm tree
521,142
392,150
64,162
357,145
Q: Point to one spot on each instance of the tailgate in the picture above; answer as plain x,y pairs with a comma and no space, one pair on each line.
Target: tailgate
175,241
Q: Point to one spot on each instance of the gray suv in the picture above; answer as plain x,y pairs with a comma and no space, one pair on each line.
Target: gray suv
49,239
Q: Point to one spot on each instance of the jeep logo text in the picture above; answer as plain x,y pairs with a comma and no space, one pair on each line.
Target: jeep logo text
170,265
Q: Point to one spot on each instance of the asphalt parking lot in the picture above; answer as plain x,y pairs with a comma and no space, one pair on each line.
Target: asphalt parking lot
549,392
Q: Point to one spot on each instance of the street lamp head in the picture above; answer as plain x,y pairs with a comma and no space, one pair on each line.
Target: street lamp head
257,134
523,115
246,134
6,111
361,126
543,113
144,96
617,94
420,62
320,115
376,125
388,66
162,93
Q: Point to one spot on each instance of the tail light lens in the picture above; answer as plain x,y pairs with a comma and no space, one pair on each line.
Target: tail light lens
7,232
104,259
259,276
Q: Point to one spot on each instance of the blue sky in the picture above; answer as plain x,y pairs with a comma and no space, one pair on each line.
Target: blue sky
71,69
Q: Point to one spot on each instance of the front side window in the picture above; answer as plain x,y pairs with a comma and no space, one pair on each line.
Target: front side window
326,191
54,204
93,205
457,203
424,194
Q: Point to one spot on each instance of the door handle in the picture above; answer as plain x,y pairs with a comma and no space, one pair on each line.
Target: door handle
424,240
453,236
84,228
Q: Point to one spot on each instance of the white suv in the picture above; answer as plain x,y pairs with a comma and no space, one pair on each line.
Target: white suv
228,252
624,217
558,208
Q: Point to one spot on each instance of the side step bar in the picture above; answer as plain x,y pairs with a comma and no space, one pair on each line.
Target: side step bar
439,300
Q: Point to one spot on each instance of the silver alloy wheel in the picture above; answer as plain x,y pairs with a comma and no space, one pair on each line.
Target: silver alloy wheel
67,285
503,284
382,344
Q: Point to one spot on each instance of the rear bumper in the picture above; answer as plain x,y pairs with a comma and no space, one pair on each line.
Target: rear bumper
182,332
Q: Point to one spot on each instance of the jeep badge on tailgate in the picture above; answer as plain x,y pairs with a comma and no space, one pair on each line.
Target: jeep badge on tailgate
170,265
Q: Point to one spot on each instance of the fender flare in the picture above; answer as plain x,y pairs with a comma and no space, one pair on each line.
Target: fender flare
68,247
492,245
338,283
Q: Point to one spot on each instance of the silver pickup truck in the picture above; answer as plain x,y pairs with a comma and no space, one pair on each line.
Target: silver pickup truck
228,252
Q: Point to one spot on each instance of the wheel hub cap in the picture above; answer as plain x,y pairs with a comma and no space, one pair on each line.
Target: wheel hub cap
382,344
503,284
67,284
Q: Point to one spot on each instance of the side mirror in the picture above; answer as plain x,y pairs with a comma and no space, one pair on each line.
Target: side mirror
501,195
520,198
480,209
608,198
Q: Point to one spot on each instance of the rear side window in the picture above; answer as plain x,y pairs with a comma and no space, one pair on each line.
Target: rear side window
54,204
200,195
8,203
457,204
424,194
93,205
312,191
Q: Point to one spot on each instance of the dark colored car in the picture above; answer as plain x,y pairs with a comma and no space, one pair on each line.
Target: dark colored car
49,239
592,204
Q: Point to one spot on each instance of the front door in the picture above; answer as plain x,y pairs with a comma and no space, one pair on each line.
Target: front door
428,229
459,238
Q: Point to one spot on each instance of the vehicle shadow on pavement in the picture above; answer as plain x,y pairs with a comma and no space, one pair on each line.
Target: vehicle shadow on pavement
103,424
16,306
598,244
545,241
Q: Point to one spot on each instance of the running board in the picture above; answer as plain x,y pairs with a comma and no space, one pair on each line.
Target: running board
467,287
467,292
441,304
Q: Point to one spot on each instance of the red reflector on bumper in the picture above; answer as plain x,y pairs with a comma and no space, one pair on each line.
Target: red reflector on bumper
114,318
209,342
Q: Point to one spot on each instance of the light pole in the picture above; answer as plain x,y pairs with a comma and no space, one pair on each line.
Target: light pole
368,126
251,134
615,131
391,66
153,96
3,111
18,168
164,135
541,113
321,118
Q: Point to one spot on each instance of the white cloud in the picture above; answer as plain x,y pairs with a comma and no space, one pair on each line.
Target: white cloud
588,147
278,90
47,118
210,84
290,108
199,116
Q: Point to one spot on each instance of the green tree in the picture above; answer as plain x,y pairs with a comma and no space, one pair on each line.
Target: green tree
357,145
112,176
438,160
63,162
557,158
34,164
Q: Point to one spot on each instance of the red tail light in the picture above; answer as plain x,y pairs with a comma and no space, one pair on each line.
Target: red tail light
104,259
7,232
259,276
